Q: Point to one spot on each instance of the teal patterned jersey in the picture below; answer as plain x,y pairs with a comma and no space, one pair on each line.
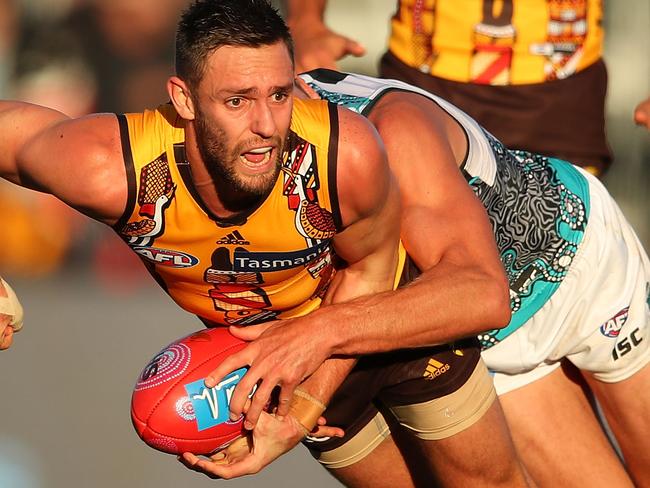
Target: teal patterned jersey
538,206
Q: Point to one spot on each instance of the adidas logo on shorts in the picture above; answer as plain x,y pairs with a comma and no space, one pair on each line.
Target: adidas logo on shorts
435,369
234,239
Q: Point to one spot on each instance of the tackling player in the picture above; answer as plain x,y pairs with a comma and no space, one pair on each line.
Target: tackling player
578,279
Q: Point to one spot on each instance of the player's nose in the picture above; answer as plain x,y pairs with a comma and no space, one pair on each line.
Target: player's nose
263,121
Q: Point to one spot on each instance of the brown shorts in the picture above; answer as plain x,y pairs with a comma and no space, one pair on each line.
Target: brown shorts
386,382
563,118
415,388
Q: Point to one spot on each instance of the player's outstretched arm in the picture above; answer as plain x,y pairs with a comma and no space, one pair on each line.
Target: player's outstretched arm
77,160
316,45
11,315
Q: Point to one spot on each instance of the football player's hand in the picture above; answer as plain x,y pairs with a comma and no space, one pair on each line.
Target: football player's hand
272,437
6,332
11,315
642,114
282,353
317,46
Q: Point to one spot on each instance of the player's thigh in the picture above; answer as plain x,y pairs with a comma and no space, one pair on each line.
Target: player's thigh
426,394
463,435
626,405
558,435
383,467
373,457
481,455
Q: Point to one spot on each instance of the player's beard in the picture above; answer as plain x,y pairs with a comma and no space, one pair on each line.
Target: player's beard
236,192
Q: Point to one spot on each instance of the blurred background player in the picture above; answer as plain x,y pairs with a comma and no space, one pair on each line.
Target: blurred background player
507,63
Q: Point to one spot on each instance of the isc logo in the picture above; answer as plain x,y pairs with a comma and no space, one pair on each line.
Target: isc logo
627,344
613,326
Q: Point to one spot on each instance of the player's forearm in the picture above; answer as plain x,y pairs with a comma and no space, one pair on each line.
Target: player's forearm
311,397
446,303
327,378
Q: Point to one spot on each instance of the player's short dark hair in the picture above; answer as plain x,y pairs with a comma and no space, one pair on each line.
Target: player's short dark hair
209,24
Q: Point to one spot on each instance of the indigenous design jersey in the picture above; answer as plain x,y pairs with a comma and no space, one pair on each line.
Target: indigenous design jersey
498,42
272,263
538,206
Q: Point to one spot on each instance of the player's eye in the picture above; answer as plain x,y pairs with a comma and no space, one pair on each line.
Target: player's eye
235,102
280,96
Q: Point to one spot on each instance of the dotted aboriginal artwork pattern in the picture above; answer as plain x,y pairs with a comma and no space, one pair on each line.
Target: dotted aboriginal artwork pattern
538,209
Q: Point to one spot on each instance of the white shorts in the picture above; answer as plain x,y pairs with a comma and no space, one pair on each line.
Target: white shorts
598,318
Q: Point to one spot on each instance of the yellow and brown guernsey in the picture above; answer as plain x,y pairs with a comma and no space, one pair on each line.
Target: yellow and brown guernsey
498,42
273,262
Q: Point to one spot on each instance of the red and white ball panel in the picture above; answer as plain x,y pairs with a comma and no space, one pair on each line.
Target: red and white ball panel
171,408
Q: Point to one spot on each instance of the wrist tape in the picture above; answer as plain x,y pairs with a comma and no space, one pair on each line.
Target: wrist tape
306,409
10,305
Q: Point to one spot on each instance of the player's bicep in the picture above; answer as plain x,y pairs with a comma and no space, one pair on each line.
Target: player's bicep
453,229
442,219
80,162
441,216
372,237
369,204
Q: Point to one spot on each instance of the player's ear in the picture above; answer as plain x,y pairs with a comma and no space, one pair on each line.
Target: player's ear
181,97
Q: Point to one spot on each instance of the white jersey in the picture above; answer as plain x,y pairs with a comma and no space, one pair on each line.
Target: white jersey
578,274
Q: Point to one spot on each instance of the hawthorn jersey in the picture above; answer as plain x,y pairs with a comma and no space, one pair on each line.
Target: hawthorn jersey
498,42
538,206
273,262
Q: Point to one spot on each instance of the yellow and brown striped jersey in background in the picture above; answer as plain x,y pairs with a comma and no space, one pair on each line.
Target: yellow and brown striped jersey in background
498,42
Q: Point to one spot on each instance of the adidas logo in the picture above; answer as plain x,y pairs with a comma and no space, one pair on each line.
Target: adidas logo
234,238
435,369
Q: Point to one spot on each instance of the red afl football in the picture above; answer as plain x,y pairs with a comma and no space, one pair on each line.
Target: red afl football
171,408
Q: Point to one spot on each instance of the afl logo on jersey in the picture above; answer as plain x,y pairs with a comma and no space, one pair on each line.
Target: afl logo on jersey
166,257
613,326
